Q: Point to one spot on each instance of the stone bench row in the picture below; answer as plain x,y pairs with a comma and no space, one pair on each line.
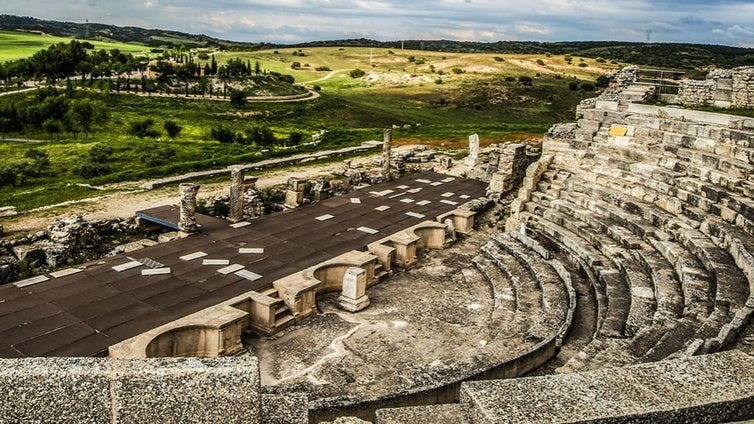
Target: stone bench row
696,281
729,289
543,317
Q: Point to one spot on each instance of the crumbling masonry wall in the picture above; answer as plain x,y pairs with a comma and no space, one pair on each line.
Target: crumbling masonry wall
729,88
99,390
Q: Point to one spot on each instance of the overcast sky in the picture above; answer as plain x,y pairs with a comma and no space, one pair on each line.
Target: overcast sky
728,22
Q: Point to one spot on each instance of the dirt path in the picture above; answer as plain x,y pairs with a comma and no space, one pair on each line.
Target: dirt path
326,77
125,203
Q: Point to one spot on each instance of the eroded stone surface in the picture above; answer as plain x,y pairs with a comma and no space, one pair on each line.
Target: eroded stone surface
425,328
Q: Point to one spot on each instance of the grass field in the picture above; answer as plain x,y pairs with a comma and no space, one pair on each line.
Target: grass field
19,45
395,92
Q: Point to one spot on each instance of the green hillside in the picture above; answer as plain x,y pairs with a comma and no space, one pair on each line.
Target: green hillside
18,45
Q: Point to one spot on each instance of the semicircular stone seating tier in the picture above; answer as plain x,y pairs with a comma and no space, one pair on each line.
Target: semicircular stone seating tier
656,207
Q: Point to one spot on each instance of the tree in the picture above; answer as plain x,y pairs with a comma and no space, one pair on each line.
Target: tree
52,127
87,113
237,98
524,80
172,128
257,68
143,128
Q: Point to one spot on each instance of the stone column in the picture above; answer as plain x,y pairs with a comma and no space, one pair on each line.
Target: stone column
354,298
387,145
236,193
187,221
473,150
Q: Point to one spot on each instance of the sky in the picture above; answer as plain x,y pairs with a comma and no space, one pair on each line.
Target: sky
728,22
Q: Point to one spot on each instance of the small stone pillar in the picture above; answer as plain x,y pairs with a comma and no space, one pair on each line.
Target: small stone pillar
294,197
187,221
354,298
473,150
387,145
236,193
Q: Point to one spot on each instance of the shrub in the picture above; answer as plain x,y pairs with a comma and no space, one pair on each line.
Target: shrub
157,156
296,65
573,85
540,62
499,59
322,68
524,80
295,138
602,81
316,88
583,64
223,135
237,98
91,169
143,128
457,70
510,79
100,153
357,73
261,135
586,86
172,128
600,60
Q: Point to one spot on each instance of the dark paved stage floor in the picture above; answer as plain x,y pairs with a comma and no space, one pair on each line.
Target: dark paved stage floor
84,313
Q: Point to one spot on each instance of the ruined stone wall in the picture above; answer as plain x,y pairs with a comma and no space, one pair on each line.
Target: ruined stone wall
99,390
722,88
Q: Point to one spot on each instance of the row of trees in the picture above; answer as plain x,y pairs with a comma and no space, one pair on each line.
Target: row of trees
54,112
260,135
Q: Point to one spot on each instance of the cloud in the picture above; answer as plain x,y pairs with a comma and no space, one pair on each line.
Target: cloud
481,20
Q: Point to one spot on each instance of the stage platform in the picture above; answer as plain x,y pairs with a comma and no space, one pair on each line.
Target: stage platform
82,311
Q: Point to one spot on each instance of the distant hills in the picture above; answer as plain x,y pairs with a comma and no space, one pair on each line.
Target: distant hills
666,55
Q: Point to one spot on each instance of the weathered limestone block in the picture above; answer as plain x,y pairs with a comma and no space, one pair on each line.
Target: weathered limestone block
99,390
353,297
294,196
290,408
656,392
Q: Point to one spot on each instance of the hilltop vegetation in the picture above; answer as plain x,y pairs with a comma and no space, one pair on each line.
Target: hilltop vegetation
674,56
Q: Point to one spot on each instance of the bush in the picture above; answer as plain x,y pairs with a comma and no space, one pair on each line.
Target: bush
316,88
157,156
322,68
583,64
587,86
499,59
510,79
540,62
457,70
237,98
573,85
172,128
357,73
91,169
261,135
524,80
223,135
143,128
602,81
295,138
296,65
600,60
100,153
7,176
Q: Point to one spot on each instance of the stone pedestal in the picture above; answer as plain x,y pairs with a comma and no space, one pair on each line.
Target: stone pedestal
354,298
294,197
187,221
236,193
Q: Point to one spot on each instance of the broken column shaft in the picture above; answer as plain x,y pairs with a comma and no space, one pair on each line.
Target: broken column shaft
387,144
236,193
187,220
